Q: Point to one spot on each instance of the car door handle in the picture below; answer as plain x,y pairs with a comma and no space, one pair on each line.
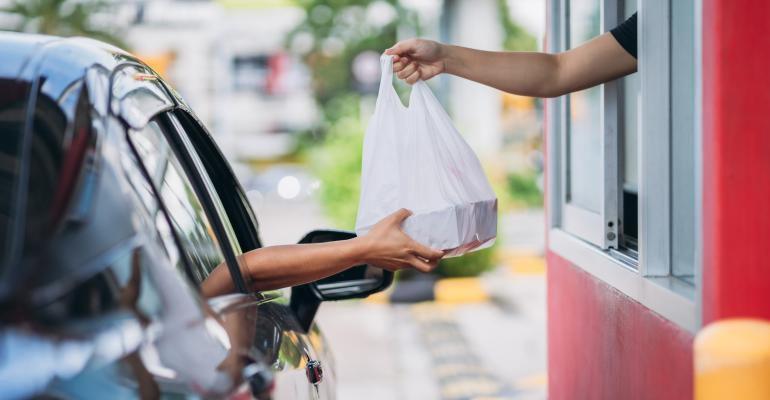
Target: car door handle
314,371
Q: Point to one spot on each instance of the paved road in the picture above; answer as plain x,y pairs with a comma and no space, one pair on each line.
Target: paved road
494,349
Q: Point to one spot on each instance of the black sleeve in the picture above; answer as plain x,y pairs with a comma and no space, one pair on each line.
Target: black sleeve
625,34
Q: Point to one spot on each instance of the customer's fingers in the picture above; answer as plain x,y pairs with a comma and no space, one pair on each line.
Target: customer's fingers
426,252
420,264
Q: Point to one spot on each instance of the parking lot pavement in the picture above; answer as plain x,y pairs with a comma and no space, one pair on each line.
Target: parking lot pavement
494,349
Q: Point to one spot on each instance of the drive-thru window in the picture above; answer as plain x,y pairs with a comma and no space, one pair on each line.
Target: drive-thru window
623,158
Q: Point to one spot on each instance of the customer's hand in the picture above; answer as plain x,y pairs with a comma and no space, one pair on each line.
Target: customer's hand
416,59
388,247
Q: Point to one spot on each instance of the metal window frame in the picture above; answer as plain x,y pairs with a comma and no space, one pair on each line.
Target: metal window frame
602,228
654,139
652,284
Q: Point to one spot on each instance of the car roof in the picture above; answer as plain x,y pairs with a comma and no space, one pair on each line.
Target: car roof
20,49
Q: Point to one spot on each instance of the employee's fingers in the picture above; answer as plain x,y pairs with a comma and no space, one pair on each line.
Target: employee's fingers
400,64
400,48
413,77
407,71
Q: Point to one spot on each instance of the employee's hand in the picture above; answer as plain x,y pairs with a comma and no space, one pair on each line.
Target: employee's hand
388,247
415,59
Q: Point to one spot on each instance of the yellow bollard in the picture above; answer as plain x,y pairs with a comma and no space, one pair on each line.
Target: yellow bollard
732,360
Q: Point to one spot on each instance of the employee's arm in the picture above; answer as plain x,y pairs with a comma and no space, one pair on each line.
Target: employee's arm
385,246
534,74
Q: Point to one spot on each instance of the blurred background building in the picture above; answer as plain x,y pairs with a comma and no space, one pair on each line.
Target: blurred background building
286,88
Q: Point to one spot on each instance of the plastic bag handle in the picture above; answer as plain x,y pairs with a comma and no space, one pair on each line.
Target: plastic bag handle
386,85
386,79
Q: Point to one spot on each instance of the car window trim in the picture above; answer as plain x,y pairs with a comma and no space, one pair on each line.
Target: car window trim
180,150
245,230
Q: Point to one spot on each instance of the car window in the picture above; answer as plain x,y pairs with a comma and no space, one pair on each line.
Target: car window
13,97
51,188
185,209
208,184
237,209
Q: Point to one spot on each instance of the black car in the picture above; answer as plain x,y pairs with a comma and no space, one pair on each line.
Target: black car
115,204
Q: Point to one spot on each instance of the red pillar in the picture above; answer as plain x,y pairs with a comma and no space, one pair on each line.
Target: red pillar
736,159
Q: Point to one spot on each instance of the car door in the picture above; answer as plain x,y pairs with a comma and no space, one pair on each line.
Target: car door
221,185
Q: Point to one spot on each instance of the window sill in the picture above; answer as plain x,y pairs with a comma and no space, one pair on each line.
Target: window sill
670,297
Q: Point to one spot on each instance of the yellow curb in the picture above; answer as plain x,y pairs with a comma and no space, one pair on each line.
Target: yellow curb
379,298
532,382
524,263
469,386
459,290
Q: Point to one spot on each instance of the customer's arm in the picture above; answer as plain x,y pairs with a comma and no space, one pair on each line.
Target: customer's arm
525,73
385,246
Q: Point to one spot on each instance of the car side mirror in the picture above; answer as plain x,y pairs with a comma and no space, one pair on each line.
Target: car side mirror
356,282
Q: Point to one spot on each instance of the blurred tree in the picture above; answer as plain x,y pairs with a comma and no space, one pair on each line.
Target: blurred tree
61,18
337,161
334,32
515,37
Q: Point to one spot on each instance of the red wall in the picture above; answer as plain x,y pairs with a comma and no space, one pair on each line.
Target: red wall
603,345
736,159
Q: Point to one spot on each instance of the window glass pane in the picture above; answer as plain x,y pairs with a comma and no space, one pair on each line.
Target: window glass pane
145,196
210,188
185,209
585,125
630,121
12,127
629,126
683,163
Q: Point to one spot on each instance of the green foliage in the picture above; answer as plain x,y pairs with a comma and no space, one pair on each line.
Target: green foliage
523,189
471,264
516,38
61,18
337,161
340,30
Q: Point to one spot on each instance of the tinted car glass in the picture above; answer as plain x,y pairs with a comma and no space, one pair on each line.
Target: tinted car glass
61,154
184,148
208,185
185,210
226,186
13,96
55,158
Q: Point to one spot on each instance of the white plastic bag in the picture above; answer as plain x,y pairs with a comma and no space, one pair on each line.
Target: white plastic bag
414,158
